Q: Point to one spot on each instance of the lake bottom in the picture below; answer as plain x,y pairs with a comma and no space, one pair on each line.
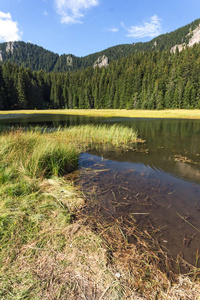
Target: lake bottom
166,206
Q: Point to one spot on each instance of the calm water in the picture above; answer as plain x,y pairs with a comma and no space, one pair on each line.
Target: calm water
159,183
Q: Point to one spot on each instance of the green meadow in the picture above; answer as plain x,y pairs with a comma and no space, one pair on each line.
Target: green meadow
136,113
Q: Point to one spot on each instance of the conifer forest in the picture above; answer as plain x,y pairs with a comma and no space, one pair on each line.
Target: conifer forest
154,79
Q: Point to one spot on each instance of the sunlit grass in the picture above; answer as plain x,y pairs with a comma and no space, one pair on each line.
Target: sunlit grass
35,154
136,113
48,249
100,136
38,208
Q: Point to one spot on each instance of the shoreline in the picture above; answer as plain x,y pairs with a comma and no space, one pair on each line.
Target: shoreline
52,249
169,113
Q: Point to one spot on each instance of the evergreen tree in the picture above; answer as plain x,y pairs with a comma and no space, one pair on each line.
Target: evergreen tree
2,91
22,91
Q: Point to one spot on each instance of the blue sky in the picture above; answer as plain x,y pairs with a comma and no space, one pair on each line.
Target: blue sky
82,27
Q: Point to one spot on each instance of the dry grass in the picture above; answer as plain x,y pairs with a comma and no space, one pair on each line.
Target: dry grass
83,259
138,266
167,113
51,249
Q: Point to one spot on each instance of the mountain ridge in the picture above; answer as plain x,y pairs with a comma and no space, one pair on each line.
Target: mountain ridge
36,57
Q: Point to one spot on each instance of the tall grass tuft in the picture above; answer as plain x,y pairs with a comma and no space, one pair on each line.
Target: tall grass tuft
45,253
38,153
35,154
40,240
101,136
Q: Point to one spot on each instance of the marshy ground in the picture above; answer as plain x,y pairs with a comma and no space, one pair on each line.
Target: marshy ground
135,113
56,243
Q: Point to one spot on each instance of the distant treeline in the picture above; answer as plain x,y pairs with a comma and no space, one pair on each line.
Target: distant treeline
147,80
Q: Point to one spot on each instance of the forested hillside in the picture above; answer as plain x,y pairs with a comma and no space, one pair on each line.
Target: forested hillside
152,80
28,55
36,58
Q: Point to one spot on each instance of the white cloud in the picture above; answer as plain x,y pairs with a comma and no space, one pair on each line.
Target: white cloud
113,29
9,30
45,13
71,11
147,29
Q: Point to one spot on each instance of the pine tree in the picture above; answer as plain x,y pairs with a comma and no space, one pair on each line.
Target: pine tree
2,91
22,91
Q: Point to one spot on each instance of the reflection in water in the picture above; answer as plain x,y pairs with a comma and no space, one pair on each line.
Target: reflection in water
192,172
50,120
148,179
165,139
156,199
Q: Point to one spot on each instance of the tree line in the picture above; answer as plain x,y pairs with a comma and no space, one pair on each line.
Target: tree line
144,80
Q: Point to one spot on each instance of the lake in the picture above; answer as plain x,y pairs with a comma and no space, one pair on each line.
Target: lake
158,183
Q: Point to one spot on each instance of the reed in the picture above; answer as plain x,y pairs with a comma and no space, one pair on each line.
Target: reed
100,136
35,154
39,154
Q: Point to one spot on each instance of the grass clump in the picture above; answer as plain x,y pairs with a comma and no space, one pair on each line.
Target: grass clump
35,154
102,136
49,249
40,253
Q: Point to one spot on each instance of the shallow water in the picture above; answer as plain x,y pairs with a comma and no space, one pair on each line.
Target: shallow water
159,183
152,197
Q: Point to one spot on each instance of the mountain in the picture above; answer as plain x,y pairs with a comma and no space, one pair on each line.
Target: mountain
37,58
147,79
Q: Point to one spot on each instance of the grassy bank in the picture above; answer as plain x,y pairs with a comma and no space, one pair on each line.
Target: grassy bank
44,252
48,248
167,113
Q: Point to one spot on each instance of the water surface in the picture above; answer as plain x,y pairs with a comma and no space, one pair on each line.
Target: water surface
158,182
